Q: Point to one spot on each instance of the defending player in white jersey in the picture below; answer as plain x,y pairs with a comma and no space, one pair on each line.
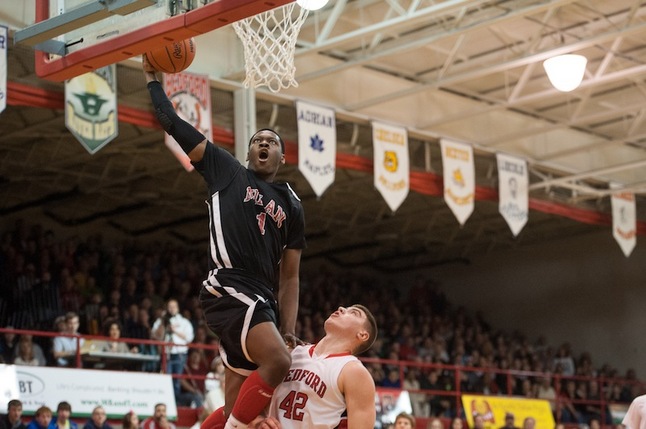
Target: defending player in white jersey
326,385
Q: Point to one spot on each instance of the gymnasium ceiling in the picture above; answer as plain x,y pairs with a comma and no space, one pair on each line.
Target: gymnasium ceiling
466,70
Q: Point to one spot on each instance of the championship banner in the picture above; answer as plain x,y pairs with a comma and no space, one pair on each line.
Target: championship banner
191,97
494,409
4,41
392,178
624,220
316,145
91,107
459,178
513,185
117,391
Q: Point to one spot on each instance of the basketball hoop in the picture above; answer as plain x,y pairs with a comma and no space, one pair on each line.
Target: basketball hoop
269,40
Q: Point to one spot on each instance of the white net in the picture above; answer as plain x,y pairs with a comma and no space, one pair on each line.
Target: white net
269,40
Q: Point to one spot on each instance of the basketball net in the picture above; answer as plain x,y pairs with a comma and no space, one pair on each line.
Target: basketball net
269,40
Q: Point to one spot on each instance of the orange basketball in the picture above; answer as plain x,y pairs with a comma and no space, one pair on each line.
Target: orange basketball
173,58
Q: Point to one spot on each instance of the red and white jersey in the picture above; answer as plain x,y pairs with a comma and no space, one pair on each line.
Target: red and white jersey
309,396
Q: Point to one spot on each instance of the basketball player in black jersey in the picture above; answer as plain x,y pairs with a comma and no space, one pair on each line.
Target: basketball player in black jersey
256,237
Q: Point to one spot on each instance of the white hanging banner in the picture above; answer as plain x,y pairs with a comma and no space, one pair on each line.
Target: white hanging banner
191,97
391,176
459,178
513,200
316,145
624,220
4,41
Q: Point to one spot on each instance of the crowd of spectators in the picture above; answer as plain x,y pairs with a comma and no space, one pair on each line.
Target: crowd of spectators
121,289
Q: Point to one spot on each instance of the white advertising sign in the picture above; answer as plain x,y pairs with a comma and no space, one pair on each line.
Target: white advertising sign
118,392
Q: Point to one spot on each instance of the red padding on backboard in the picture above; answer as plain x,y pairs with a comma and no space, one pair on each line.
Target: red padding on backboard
199,21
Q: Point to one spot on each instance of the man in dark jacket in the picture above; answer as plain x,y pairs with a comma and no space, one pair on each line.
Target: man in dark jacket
12,420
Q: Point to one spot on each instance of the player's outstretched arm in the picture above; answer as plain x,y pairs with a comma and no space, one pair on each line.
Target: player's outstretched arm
191,140
288,295
359,389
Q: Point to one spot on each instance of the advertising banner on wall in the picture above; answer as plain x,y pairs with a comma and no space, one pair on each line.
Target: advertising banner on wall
118,392
496,409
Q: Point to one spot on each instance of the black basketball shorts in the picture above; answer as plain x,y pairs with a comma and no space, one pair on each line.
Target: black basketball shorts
231,310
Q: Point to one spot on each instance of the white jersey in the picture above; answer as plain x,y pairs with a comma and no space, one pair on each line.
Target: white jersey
309,396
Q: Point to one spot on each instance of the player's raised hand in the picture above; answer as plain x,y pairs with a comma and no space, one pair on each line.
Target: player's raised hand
149,70
292,340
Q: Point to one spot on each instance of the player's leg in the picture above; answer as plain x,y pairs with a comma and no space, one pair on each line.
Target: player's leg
266,348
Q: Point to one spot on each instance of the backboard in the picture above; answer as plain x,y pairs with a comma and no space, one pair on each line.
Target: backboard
72,37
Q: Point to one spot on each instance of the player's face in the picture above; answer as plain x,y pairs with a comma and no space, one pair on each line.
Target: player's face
350,318
265,154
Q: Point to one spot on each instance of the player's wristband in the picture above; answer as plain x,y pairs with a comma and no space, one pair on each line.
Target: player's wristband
183,132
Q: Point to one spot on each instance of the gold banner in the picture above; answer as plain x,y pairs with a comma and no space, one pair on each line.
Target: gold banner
495,408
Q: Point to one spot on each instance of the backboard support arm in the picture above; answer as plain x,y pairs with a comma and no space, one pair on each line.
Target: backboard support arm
192,23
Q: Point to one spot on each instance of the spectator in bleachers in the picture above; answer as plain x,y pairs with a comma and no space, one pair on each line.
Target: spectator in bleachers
404,421
547,392
564,361
510,421
158,420
392,379
417,399
13,418
41,419
62,419
456,423
435,424
112,344
98,419
192,389
70,296
65,346
8,345
173,327
530,423
478,421
130,421
26,355
567,412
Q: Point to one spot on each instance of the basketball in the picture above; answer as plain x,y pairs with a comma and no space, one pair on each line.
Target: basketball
173,58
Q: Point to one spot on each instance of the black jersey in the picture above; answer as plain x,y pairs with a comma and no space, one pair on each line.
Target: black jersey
251,221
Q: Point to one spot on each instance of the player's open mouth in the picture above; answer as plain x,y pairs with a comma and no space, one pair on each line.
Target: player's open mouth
263,155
